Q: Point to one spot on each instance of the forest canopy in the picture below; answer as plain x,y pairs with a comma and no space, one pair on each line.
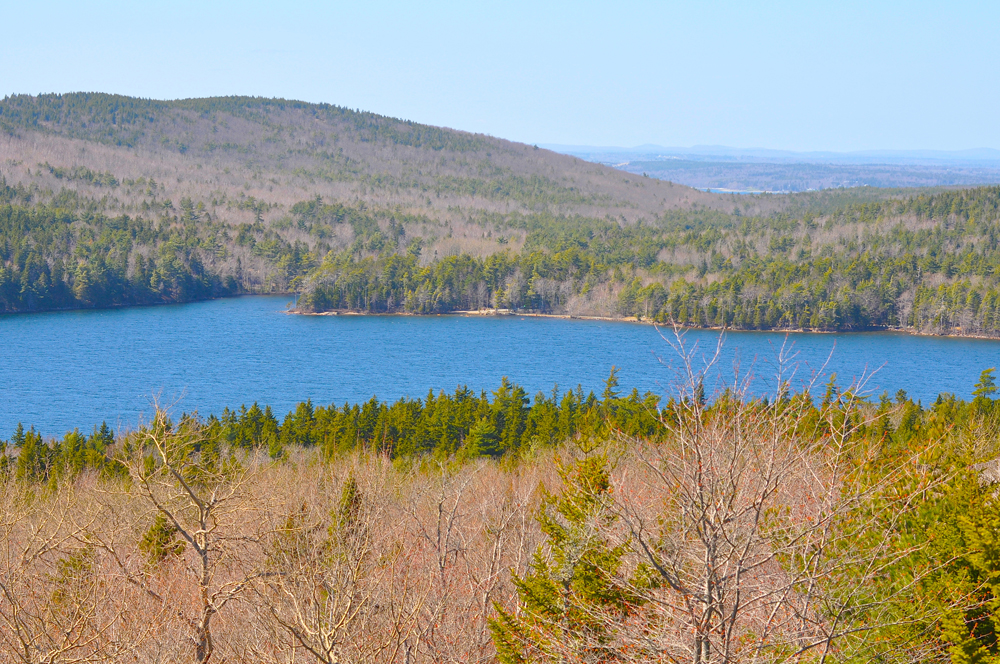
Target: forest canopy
928,263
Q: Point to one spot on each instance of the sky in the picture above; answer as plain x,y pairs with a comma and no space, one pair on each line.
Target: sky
837,76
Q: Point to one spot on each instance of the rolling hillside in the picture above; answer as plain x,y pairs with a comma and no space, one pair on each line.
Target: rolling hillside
281,152
221,177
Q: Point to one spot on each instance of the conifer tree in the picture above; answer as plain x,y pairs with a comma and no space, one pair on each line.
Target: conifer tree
986,387
575,591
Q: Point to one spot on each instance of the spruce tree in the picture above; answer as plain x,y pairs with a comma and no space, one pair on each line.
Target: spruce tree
575,592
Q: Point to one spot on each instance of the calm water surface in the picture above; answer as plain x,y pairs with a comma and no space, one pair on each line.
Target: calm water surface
75,369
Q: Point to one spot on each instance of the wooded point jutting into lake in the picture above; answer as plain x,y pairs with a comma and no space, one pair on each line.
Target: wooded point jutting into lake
626,332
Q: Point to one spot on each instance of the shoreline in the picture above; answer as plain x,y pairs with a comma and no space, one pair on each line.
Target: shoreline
499,313
504,313
141,305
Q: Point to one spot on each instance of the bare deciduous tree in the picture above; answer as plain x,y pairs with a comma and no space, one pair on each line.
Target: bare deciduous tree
768,531
206,500
59,600
336,576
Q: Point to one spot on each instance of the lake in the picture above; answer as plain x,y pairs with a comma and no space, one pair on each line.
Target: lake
78,368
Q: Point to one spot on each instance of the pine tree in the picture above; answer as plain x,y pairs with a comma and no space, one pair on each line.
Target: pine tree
481,441
574,593
160,541
986,387
33,459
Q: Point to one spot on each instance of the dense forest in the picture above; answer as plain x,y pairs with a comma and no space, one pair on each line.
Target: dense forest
53,256
492,527
126,121
275,148
928,263
109,201
51,261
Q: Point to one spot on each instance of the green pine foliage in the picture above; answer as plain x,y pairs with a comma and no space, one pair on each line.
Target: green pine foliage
463,424
575,588
482,440
54,258
943,583
33,459
346,516
161,542
986,387
73,574
928,263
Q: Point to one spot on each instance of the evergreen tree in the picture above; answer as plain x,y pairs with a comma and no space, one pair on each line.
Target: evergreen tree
986,387
574,594
481,441
34,456
161,541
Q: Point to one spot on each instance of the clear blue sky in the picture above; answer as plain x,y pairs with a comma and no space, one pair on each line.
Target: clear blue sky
796,75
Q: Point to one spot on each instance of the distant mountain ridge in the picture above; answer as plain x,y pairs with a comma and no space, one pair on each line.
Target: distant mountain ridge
724,153
124,121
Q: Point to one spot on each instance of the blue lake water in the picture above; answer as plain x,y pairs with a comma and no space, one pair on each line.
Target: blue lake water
75,369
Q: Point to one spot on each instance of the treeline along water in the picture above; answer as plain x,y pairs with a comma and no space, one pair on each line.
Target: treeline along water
76,369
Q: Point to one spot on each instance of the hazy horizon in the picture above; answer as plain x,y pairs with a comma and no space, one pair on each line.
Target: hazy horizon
973,153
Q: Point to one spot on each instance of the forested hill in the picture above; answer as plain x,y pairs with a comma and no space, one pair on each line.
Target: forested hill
117,200
109,200
927,263
273,150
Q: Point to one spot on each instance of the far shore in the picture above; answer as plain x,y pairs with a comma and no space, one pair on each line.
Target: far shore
955,334
958,334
